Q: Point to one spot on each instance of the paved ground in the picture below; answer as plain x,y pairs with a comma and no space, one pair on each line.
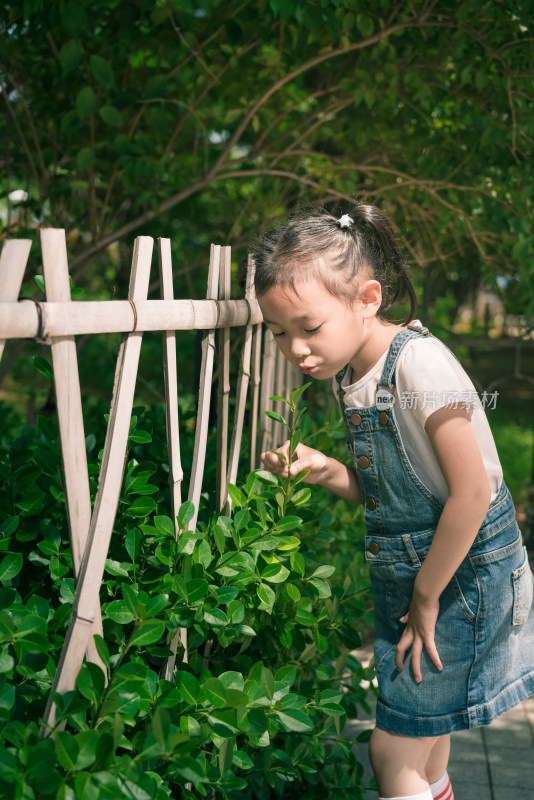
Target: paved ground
491,763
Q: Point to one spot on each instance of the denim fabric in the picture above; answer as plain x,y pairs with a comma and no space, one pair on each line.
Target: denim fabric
485,628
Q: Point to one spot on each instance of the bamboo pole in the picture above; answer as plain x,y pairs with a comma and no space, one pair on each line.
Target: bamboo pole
242,388
13,260
82,317
223,391
107,499
70,416
204,392
267,384
176,473
254,460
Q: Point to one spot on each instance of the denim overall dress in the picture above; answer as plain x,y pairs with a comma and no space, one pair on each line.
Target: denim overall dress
485,629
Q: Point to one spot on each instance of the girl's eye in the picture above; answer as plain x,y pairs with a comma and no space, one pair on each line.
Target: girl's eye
276,335
312,330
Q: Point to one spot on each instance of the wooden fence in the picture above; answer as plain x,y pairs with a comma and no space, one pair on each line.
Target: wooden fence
56,322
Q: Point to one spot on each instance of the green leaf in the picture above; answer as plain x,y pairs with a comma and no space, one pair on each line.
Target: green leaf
294,720
267,681
141,507
365,25
119,611
215,692
288,523
188,687
236,496
10,566
186,514
7,661
102,70
190,726
73,18
161,725
165,525
85,103
293,592
320,587
111,116
132,542
85,158
140,437
43,366
226,756
216,617
266,595
277,417
91,682
323,572
196,589
87,742
275,573
266,476
102,649
69,56
8,526
147,632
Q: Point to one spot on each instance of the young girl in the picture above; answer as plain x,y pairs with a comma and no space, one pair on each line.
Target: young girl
454,629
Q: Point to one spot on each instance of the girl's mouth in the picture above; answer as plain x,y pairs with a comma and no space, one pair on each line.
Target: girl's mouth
309,370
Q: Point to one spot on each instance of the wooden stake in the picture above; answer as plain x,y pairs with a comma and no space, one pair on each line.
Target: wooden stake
13,260
223,393
254,461
107,499
267,385
242,387
70,416
176,473
204,392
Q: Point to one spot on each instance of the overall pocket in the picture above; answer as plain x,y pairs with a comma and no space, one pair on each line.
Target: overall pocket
523,585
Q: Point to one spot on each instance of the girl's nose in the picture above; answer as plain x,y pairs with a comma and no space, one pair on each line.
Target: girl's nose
300,348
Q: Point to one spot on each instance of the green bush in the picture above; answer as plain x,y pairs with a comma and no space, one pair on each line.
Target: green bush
273,596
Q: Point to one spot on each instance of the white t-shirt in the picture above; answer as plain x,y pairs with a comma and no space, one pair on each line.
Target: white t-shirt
428,377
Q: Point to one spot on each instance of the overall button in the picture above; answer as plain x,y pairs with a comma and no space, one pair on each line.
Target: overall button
374,548
356,419
371,503
363,462
383,417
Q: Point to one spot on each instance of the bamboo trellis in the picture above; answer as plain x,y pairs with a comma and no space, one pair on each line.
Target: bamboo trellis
57,320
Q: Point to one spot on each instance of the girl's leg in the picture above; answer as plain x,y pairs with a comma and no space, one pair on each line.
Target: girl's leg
436,770
400,762
438,759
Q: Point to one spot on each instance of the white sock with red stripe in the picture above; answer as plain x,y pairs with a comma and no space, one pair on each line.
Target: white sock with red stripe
425,796
442,789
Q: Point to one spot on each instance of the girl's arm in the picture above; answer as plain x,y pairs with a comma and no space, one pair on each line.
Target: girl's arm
324,471
458,455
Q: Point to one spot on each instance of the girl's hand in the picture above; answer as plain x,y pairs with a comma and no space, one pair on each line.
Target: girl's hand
303,458
419,632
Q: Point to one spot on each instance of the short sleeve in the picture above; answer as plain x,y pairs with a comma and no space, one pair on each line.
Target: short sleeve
429,377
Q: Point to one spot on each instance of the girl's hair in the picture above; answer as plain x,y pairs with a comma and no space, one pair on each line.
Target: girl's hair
367,248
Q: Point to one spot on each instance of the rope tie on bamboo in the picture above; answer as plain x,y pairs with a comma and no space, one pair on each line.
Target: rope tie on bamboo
134,309
42,336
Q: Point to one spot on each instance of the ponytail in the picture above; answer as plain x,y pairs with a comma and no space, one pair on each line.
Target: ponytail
388,263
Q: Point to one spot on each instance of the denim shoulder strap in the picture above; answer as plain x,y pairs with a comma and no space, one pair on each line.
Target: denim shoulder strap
339,377
395,349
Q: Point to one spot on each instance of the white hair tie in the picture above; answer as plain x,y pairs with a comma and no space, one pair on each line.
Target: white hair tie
345,221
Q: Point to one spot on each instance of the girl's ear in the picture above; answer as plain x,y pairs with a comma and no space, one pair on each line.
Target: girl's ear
370,297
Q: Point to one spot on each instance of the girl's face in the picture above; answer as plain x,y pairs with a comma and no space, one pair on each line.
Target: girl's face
318,332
